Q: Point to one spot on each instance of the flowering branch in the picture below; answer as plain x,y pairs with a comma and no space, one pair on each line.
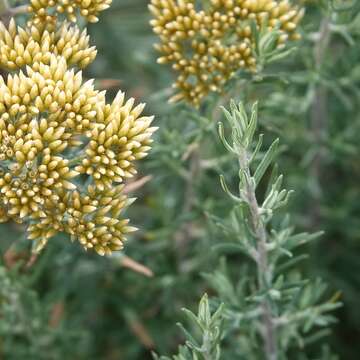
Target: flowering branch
64,152
231,46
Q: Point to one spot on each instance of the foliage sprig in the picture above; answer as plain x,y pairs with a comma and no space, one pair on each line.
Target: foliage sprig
208,328
282,306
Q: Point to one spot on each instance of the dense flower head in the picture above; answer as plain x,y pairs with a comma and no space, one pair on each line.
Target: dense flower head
52,95
90,217
206,44
36,43
44,10
119,137
64,151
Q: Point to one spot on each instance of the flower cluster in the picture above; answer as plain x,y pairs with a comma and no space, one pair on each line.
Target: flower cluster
36,44
45,10
206,44
64,152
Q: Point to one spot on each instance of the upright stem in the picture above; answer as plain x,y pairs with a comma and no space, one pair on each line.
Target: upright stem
319,109
183,236
263,268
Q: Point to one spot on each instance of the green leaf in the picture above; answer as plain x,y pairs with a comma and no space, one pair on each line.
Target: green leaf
231,248
226,189
266,161
223,138
204,310
250,131
187,334
290,263
257,148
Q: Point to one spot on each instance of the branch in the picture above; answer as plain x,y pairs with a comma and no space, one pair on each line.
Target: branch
137,184
6,12
319,110
19,10
57,313
133,265
139,329
184,234
263,269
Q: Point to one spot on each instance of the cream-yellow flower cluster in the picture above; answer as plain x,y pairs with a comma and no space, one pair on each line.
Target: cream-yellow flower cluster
206,42
47,10
36,44
64,152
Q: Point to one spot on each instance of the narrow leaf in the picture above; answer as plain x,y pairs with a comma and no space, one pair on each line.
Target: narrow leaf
266,161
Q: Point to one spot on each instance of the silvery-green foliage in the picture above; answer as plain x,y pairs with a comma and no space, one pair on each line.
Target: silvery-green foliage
271,310
203,341
296,306
26,328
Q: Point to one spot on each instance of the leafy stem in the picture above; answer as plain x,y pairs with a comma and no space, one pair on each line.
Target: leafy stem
241,145
263,269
